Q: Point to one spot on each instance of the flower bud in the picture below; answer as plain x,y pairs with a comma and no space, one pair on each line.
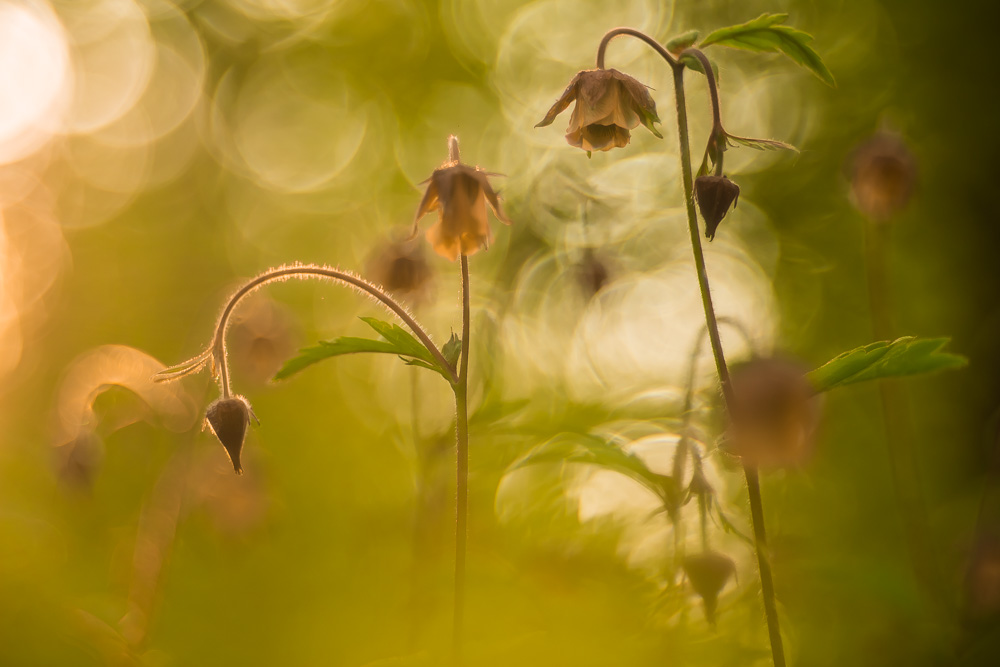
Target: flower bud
774,415
228,418
709,572
883,176
715,194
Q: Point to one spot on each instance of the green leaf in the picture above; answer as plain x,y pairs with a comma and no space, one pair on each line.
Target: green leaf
682,41
766,34
899,358
759,144
396,341
581,448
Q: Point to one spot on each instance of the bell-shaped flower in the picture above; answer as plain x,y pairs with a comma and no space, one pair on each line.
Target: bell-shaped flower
459,193
608,104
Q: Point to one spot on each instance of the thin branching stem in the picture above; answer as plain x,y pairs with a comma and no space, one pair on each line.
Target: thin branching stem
749,470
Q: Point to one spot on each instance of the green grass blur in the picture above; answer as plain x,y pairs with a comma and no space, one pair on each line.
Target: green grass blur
235,135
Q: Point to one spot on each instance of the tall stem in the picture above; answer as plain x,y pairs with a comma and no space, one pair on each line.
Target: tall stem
749,471
899,439
462,467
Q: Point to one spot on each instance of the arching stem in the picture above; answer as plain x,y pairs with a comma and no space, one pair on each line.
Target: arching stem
217,350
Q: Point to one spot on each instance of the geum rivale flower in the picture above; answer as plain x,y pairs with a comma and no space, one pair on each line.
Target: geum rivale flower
608,104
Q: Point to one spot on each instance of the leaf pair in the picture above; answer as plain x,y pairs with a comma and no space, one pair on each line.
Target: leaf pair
395,340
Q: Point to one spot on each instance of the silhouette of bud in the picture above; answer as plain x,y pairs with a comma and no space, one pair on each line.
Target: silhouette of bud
709,572
982,580
608,104
401,267
715,194
592,273
228,418
774,415
883,176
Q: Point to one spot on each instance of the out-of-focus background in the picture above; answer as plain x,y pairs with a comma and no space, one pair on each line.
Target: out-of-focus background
153,154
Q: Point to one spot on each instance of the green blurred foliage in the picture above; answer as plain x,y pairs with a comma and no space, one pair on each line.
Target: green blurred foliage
313,123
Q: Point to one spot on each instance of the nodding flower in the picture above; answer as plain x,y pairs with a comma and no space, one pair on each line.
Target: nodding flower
228,418
459,193
774,415
608,104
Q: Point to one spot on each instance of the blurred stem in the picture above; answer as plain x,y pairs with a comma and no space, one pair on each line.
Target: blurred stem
899,438
462,466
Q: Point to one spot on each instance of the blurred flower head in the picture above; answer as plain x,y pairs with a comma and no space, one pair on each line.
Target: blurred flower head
883,176
262,336
775,413
709,572
715,194
228,419
459,193
982,580
401,267
608,104
593,272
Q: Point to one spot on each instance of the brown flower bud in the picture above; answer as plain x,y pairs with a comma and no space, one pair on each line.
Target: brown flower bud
774,415
608,104
709,572
715,194
883,176
402,268
228,418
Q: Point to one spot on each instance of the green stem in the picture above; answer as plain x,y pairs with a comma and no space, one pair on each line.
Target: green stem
902,461
462,468
750,471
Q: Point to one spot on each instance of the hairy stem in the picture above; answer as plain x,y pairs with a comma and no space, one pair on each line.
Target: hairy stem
462,467
217,350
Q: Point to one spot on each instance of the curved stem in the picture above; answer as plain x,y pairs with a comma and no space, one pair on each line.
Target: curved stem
713,88
313,271
615,32
462,468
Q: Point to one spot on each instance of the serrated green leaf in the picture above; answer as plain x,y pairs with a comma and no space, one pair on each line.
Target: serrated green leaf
682,41
452,350
885,359
396,341
766,34
582,448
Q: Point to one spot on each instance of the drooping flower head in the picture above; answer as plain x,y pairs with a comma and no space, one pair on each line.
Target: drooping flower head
608,104
459,193
228,418
775,414
883,176
715,194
